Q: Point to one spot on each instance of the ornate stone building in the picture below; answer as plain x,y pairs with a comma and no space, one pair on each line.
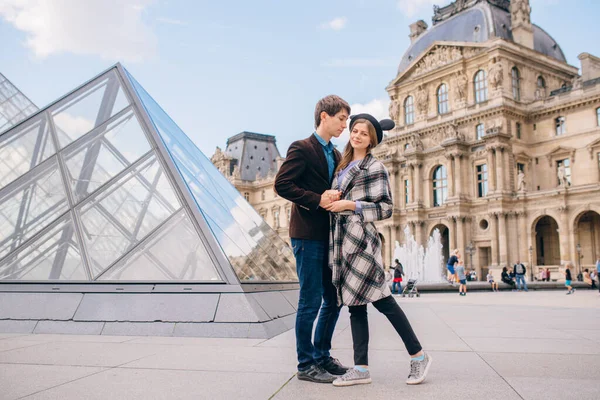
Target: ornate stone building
250,162
497,143
497,140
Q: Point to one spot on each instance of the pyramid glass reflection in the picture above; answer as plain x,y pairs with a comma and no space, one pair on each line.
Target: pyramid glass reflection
103,186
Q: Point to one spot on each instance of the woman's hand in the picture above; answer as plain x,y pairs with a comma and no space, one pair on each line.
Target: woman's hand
341,205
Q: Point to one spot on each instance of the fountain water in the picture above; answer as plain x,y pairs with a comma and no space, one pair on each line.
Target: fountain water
426,265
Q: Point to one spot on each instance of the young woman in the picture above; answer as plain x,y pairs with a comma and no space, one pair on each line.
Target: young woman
355,249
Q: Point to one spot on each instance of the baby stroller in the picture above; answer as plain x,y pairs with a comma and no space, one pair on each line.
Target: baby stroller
410,289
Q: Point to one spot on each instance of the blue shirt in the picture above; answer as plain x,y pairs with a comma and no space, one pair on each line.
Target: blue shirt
328,150
460,271
598,266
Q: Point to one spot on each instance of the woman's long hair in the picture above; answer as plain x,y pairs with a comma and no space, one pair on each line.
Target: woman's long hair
349,150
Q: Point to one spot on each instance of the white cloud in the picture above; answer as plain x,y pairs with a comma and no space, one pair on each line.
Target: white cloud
336,24
377,108
111,29
171,21
412,7
357,62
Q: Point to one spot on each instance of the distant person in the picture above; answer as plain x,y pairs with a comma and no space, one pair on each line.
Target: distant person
548,274
519,271
398,274
598,272
568,279
587,279
593,276
490,279
506,278
462,278
452,261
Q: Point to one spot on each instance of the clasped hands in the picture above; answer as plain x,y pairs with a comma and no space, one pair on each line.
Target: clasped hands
330,201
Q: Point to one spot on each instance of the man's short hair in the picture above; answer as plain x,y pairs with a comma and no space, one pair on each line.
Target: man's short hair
332,105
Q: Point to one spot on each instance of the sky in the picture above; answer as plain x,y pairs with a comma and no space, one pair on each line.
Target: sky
222,67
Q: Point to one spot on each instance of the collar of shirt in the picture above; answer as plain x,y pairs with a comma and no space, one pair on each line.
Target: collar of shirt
327,146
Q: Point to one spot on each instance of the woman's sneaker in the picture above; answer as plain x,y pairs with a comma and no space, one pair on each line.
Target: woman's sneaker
418,370
353,377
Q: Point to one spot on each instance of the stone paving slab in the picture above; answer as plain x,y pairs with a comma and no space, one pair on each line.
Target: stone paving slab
485,345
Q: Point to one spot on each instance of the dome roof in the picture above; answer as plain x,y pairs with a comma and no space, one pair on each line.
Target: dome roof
477,24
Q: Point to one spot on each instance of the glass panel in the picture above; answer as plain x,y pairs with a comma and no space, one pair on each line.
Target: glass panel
24,148
30,204
255,251
88,108
14,106
94,162
174,252
54,255
125,212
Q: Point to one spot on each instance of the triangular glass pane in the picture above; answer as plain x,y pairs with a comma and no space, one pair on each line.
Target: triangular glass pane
55,255
120,216
104,153
30,204
14,106
88,108
238,227
23,148
174,252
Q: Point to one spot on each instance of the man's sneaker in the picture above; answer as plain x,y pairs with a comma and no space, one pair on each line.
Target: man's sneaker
569,292
418,370
333,366
353,377
316,374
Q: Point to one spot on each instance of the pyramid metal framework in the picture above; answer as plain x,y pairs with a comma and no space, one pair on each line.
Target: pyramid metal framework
102,186
14,105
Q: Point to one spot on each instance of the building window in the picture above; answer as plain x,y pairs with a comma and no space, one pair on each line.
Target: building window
289,214
480,130
480,85
442,99
482,180
263,195
541,83
520,167
567,164
409,111
276,218
560,126
247,196
406,146
598,116
518,130
598,161
440,186
516,84
407,188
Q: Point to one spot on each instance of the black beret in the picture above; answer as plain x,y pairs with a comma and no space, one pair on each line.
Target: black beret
380,126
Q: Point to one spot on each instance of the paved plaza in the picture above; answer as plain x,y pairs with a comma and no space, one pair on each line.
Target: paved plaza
536,345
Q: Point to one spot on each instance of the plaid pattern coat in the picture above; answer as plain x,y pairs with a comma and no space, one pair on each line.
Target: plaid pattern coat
354,243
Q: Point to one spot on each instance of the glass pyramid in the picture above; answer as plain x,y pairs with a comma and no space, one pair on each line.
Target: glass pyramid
102,185
14,105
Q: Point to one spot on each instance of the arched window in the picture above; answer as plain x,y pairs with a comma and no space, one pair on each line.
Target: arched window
516,84
560,126
263,195
409,110
442,99
480,86
598,116
440,186
480,131
518,126
541,83
406,146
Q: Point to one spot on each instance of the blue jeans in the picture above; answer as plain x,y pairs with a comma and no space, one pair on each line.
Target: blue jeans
521,282
316,292
399,284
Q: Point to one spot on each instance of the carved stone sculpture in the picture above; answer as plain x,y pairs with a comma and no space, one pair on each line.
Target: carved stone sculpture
562,176
460,86
521,184
495,75
394,109
236,172
422,99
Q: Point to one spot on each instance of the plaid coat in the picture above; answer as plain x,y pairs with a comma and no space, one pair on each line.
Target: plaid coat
354,243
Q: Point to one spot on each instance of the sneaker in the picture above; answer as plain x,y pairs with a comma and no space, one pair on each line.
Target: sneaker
353,377
418,370
333,366
316,374
569,292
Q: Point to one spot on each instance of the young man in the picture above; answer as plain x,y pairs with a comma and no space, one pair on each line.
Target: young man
462,278
519,271
568,279
305,179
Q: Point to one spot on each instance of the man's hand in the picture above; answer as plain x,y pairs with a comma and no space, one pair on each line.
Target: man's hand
341,205
328,197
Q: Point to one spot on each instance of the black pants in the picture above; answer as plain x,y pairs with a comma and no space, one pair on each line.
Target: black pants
360,328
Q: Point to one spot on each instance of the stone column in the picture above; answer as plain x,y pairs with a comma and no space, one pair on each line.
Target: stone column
450,159
419,232
499,158
418,194
494,238
563,236
502,238
524,236
452,233
491,170
393,238
458,174
412,179
460,235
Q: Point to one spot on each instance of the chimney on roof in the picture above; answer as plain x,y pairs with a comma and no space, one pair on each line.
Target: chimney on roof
416,29
520,20
590,66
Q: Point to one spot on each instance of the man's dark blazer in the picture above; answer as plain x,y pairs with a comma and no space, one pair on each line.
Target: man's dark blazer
302,178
